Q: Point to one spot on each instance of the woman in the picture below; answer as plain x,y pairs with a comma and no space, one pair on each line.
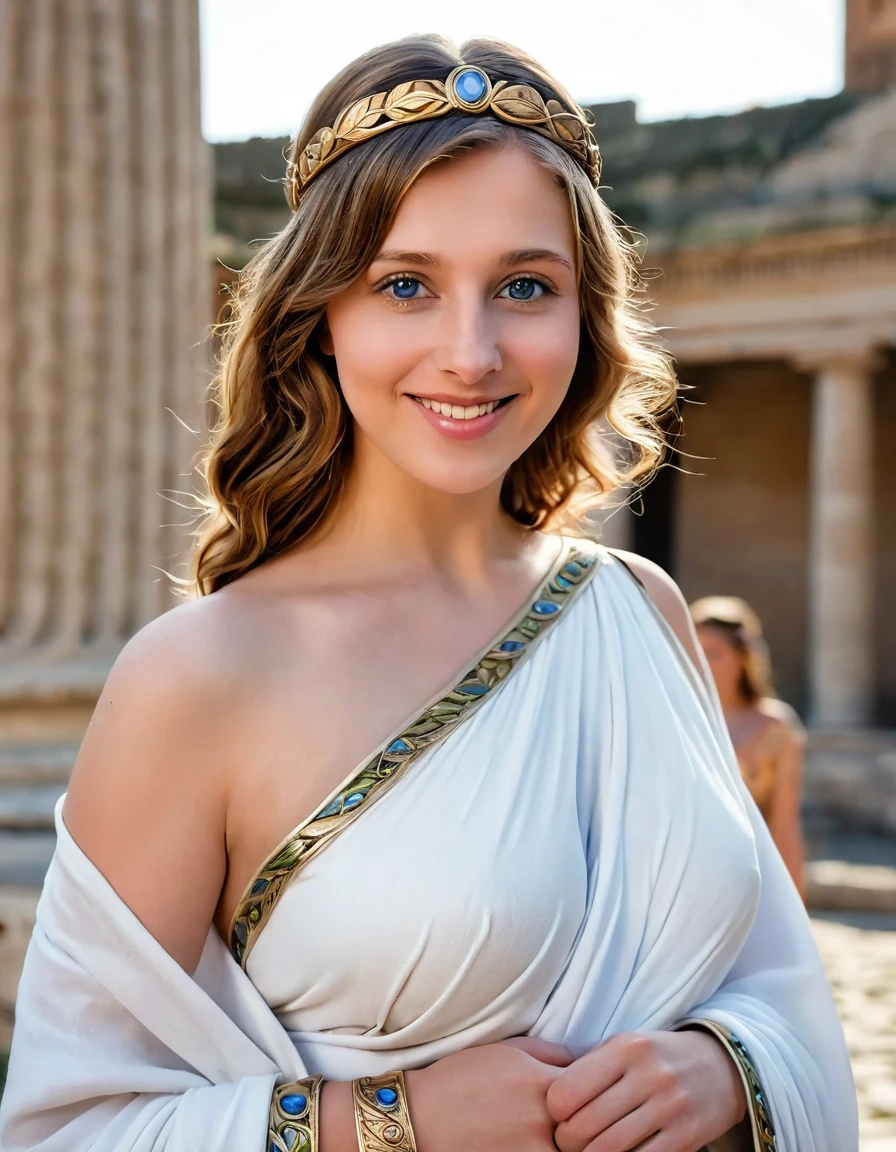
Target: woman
542,893
767,735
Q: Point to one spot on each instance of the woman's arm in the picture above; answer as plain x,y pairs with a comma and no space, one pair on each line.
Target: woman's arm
776,998
784,814
148,795
115,1047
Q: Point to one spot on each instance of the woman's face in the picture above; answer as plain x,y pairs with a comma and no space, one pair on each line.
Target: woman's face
457,345
724,660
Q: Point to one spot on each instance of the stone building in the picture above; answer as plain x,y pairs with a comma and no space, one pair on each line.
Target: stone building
870,45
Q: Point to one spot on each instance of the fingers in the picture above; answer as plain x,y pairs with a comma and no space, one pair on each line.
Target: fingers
587,1078
635,1131
600,1115
544,1050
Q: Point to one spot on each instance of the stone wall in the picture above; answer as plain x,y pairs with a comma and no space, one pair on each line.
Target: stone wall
870,44
743,504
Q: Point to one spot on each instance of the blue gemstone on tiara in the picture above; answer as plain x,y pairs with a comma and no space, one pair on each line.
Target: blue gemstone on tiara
473,689
294,1104
469,86
354,800
545,608
510,646
386,1097
398,746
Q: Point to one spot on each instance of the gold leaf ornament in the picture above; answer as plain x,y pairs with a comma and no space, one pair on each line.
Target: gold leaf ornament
326,139
426,99
569,127
417,101
521,102
353,116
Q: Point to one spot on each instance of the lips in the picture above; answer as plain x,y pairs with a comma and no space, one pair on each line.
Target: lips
471,410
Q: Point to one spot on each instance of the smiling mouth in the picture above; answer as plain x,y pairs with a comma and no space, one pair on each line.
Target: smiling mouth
461,412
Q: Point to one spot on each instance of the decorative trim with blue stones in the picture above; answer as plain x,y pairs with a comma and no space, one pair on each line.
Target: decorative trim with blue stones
393,758
293,1125
382,1119
761,1127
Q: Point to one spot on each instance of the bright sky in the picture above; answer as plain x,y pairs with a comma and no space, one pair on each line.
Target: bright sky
263,60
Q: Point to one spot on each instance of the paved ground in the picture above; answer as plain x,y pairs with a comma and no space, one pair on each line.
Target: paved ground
859,951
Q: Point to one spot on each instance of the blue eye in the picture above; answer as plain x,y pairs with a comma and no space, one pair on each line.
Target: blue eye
524,288
403,288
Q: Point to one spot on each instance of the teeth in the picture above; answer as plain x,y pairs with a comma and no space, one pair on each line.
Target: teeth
458,411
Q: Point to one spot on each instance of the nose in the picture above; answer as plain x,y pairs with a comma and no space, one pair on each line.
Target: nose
468,347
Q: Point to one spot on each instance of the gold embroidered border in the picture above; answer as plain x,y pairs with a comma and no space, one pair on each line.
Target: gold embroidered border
393,758
383,1126
294,1119
763,1131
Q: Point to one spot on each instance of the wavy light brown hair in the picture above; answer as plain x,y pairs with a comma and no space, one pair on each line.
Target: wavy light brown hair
279,457
741,627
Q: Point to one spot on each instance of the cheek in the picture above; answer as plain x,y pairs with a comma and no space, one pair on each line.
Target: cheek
546,351
726,665
373,350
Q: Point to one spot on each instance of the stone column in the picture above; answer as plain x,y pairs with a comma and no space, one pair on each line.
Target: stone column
840,563
104,205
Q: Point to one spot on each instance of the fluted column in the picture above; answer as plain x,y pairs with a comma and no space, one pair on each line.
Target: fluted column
103,213
841,559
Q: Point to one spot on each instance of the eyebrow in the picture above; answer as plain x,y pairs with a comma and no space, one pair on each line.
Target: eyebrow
508,259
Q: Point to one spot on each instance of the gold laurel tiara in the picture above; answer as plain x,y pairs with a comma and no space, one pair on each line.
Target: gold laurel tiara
467,89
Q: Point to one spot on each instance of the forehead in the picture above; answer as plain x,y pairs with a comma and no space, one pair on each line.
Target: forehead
492,199
710,634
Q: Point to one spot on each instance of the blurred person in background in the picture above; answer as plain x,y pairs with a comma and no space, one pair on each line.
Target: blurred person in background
538,913
766,733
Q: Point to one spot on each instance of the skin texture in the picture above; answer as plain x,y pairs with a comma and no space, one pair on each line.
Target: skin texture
762,731
224,722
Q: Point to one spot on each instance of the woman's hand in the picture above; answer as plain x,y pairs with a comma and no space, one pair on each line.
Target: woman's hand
654,1091
491,1098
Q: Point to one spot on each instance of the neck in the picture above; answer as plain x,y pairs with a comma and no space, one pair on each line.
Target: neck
401,525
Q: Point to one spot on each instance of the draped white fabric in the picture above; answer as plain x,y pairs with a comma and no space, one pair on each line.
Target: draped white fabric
579,858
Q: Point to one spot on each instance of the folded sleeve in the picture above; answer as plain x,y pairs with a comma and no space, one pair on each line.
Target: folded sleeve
86,1076
777,1001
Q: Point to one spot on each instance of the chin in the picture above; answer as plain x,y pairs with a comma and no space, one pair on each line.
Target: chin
453,480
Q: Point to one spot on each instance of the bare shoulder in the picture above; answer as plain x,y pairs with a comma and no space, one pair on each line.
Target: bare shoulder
667,597
174,675
782,715
147,798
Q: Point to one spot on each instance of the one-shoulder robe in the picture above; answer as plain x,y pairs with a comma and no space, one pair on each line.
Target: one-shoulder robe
559,844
